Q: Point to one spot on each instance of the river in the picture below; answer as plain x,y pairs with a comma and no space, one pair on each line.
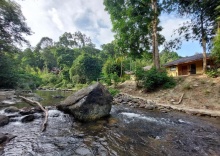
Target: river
126,132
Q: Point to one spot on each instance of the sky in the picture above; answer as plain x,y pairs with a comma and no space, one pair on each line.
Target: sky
51,18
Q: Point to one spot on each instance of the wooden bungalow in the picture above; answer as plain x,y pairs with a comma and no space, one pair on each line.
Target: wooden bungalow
188,65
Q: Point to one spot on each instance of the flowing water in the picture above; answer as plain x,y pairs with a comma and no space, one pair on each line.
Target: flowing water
126,132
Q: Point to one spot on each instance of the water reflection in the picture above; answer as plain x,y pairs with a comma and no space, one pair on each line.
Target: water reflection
46,98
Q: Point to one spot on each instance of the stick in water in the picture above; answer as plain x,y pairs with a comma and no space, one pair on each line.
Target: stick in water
44,124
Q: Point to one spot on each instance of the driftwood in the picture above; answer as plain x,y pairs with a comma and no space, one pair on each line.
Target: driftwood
180,100
31,102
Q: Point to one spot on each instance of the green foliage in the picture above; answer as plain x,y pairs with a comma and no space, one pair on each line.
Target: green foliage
80,86
113,91
88,68
131,21
212,73
65,56
216,48
75,40
202,15
108,50
75,79
27,81
115,78
139,75
12,26
8,74
110,67
154,79
167,56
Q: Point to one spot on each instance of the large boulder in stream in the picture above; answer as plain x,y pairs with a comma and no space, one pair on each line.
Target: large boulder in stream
89,103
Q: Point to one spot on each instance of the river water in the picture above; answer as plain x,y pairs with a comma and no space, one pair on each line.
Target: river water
126,132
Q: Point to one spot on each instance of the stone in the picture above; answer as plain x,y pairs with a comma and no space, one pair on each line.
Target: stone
164,110
28,118
150,102
172,100
195,85
11,109
27,111
8,102
4,120
150,107
142,106
3,138
89,103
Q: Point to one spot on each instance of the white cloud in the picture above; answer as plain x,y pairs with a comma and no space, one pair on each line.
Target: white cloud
52,18
55,18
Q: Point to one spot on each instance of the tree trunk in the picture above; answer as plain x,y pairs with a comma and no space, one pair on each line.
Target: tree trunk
154,36
203,44
204,55
121,70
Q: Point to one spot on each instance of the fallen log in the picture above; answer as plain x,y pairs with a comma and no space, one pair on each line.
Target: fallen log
31,102
180,100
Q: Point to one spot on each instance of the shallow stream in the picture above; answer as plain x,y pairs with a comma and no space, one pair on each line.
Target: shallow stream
126,132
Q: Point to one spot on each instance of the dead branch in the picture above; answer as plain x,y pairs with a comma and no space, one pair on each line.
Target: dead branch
31,102
180,100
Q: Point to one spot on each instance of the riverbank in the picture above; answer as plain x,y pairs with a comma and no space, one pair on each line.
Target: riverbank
195,95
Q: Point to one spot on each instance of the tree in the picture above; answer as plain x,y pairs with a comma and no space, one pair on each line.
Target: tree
135,23
65,56
109,50
7,71
48,58
91,50
202,24
76,40
167,56
216,48
216,41
154,35
45,42
27,58
12,26
88,68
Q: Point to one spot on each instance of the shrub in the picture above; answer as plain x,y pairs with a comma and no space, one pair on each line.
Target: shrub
154,79
27,81
115,78
212,73
69,85
80,86
58,85
76,79
113,91
139,75
110,67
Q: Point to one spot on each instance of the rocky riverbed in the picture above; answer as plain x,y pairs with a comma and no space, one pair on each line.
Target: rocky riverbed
135,127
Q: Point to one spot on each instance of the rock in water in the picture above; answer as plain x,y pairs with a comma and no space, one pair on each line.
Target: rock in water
3,138
89,103
4,120
28,118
